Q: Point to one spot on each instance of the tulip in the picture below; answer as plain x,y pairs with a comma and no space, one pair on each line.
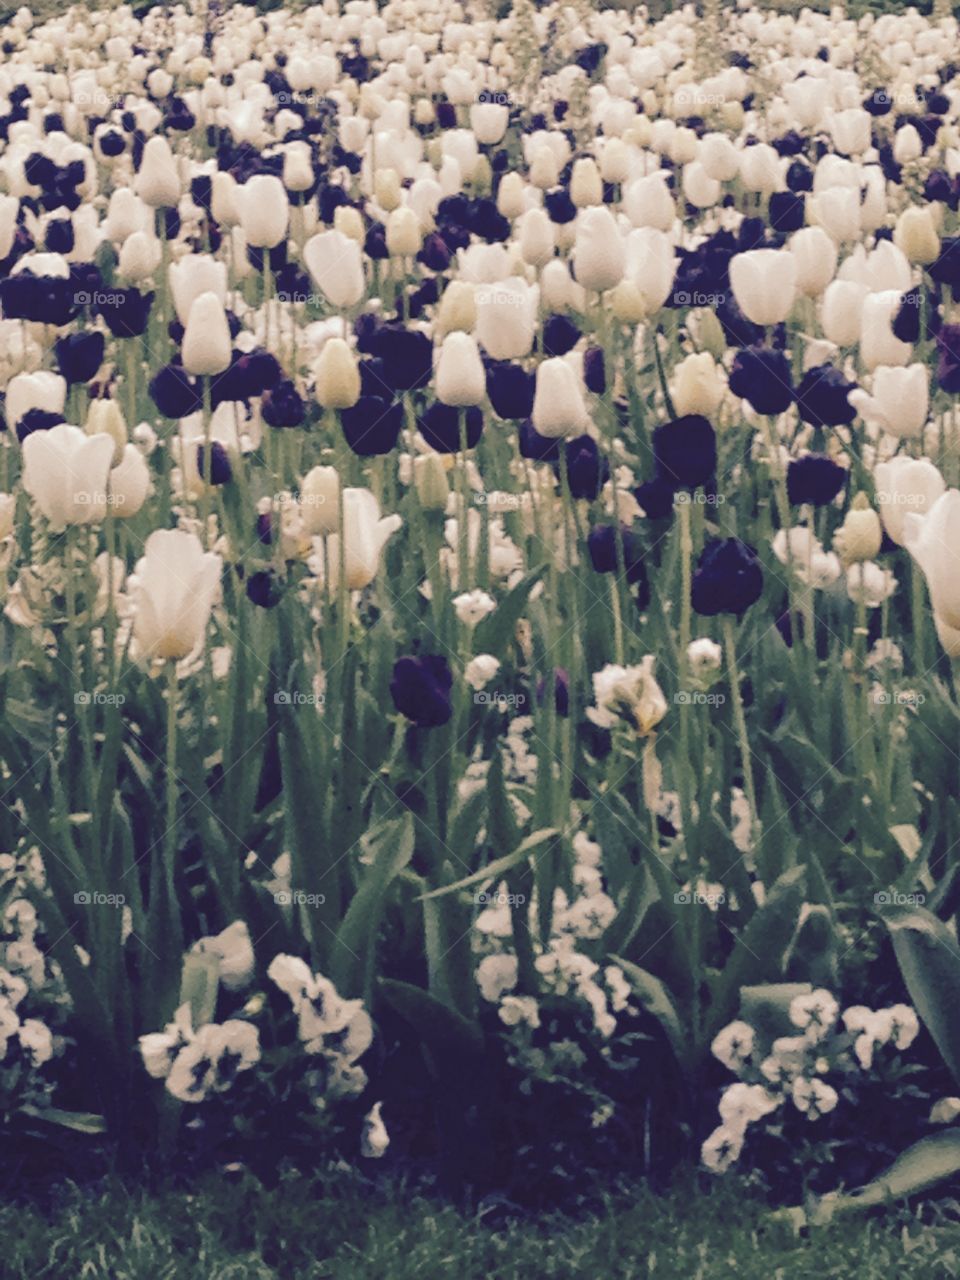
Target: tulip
651,267
699,188
404,233
420,688
320,500
648,202
823,397
372,426
851,131
916,236
506,319
335,263
878,343
489,121
430,481
728,578
816,256
66,471
41,390
587,469
105,417
762,377
861,534
760,169
192,275
537,238
837,210
457,309
841,311
899,401
460,378
560,335
139,257
697,387
207,345
814,479
129,483
586,185
905,486
764,284
157,182
446,428
934,542
599,256
685,451
558,408
175,585
719,157
336,376
264,211
365,534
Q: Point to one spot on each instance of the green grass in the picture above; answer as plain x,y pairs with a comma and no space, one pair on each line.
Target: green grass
238,1231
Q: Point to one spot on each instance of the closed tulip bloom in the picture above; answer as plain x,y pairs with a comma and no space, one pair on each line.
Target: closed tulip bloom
41,390
320,500
841,311
510,196
699,188
537,238
685,451
916,237
176,583
129,483
837,210
651,266
404,233
719,157
430,481
764,284
460,378
225,200
489,121
65,471
158,182
934,542
763,377
506,318
558,408
859,537
192,275
599,256
207,345
760,169
905,486
457,309
697,386
105,417
336,375
907,145
649,203
264,211
728,578
816,256
814,480
878,343
851,131
808,99
899,400
365,534
139,257
420,688
335,263
823,397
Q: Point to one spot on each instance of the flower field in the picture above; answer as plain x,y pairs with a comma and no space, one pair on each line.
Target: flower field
480,543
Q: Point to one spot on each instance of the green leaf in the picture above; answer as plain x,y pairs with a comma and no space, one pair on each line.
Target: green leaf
78,1121
657,1000
446,1034
929,960
199,985
496,631
500,866
390,846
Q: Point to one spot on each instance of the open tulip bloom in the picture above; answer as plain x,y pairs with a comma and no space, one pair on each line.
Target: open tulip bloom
479,515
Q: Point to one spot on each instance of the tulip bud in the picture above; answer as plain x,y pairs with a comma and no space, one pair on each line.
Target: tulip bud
627,303
337,376
586,186
320,500
140,256
599,255
708,331
104,417
510,201
207,344
157,182
860,535
404,235
460,378
457,309
387,190
697,386
424,112
264,210
481,178
297,169
430,481
916,237
224,204
544,170
349,222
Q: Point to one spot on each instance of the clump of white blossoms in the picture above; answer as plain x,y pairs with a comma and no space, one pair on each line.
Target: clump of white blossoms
805,1071
197,1063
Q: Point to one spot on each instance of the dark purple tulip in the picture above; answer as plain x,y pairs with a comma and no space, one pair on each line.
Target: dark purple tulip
126,311
510,390
685,451
372,426
421,689
79,355
249,375
37,420
220,469
594,370
282,406
174,392
822,397
560,335
728,579
946,268
587,469
45,299
906,323
407,356
763,378
559,206
814,479
535,447
440,427
655,498
799,177
264,589
434,254
948,358
787,211
602,545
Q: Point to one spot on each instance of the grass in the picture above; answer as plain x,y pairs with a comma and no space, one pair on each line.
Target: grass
225,1230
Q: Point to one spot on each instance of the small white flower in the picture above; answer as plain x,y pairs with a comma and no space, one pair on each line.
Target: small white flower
814,1098
375,1139
815,1014
945,1111
36,1039
496,975
722,1149
480,670
473,606
517,1010
733,1045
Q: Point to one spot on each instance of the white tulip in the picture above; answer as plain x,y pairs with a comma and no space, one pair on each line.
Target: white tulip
192,275
878,343
905,486
558,407
207,345
506,318
335,263
264,210
648,202
174,588
158,182
599,257
816,256
366,533
65,471
460,378
899,401
934,542
764,284
841,311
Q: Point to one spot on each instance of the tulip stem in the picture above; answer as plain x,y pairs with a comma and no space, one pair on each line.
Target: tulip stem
207,460
740,720
686,621
170,835
463,533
